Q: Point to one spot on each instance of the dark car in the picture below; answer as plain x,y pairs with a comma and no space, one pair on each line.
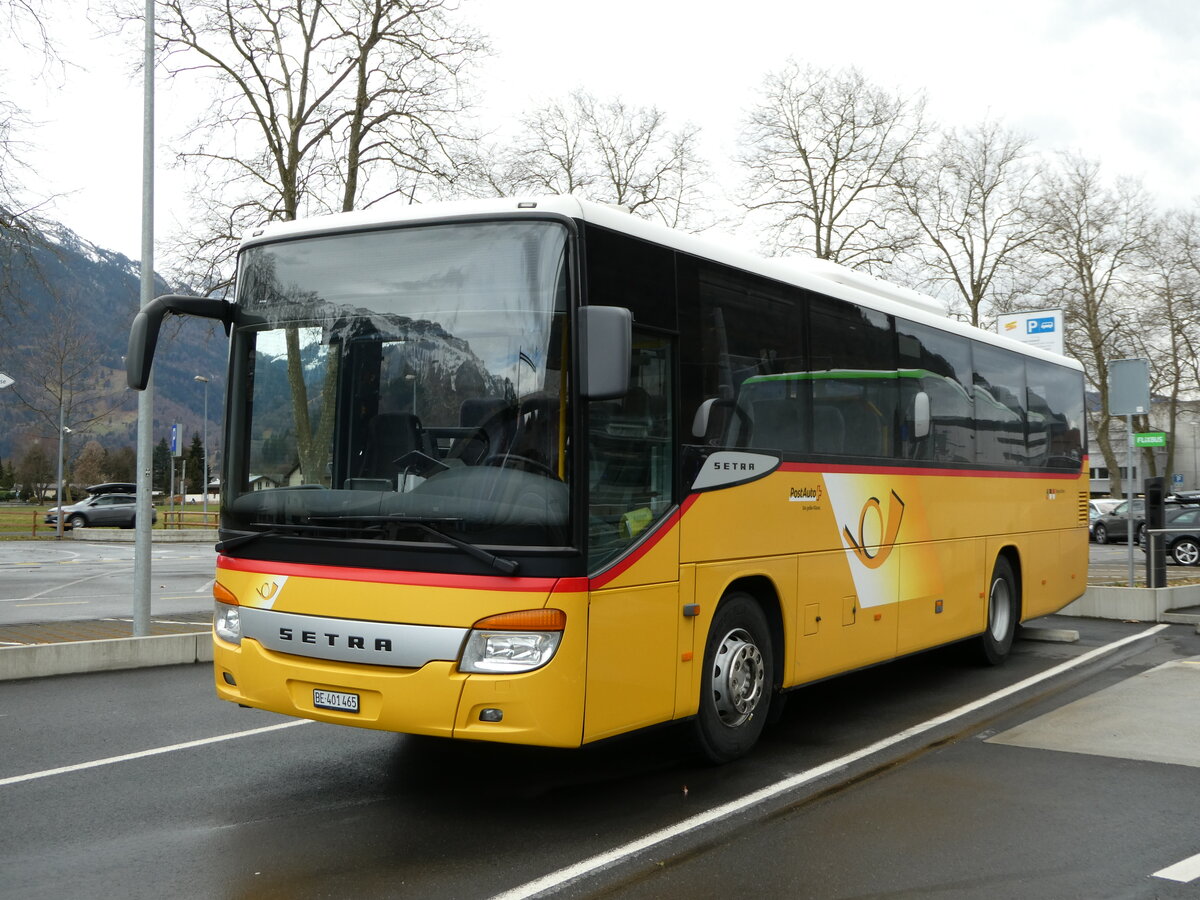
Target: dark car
1183,547
1114,526
99,509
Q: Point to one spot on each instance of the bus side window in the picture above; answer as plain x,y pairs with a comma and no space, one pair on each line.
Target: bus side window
829,429
938,365
629,454
778,424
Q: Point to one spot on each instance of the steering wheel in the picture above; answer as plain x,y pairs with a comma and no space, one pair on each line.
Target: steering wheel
521,462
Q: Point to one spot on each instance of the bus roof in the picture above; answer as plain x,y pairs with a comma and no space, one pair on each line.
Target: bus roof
818,275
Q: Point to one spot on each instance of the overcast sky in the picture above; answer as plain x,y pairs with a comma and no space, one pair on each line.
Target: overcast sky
1117,80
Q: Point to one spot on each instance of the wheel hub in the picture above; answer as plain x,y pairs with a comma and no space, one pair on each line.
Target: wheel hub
999,610
738,678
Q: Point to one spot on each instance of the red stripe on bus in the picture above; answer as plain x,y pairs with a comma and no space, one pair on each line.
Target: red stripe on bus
661,531
823,468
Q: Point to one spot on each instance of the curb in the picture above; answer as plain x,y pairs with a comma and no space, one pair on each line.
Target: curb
76,657
157,536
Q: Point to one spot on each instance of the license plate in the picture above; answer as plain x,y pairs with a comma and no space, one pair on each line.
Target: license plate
335,700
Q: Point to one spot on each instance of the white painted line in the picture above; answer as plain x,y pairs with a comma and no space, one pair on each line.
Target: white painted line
63,587
156,751
734,807
203,625
55,603
1183,872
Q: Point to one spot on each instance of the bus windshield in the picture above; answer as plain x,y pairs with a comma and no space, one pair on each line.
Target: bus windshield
403,384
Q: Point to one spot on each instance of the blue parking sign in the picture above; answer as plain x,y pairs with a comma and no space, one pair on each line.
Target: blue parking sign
1041,325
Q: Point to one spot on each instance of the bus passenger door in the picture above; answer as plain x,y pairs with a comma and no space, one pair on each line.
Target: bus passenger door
633,549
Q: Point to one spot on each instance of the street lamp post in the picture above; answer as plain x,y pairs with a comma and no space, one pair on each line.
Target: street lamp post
58,481
63,430
204,381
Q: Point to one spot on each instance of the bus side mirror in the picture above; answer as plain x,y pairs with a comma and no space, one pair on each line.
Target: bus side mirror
143,335
921,415
606,340
703,414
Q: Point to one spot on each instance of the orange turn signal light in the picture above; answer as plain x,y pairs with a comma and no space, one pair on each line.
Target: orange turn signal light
223,594
525,620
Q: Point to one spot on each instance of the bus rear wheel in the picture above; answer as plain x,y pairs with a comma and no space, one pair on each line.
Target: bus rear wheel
1003,613
735,688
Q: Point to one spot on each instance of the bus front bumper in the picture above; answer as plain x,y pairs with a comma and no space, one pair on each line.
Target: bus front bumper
541,708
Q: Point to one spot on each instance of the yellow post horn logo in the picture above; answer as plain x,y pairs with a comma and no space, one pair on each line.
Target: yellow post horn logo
875,555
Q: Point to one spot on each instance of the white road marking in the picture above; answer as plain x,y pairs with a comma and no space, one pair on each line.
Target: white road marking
181,622
1183,871
734,807
60,587
55,603
156,751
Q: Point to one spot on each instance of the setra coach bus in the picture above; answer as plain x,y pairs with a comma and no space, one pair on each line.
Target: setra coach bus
541,472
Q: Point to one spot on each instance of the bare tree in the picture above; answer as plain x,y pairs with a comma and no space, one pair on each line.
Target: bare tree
318,107
90,465
60,374
972,200
22,22
608,151
1096,236
35,471
1170,318
823,151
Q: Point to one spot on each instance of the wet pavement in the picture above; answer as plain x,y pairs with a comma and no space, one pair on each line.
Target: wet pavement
99,629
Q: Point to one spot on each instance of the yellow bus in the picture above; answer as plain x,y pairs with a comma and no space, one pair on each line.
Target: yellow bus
538,471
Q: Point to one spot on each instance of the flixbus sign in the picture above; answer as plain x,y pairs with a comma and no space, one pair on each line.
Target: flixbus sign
1150,439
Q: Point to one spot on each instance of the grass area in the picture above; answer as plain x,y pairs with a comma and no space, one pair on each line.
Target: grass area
26,521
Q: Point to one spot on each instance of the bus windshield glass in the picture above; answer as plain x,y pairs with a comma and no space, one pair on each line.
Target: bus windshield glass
404,384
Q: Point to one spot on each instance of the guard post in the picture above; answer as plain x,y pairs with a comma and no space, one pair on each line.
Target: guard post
1156,556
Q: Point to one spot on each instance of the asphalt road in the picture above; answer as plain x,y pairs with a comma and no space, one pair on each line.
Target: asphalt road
1109,564
51,581
1068,772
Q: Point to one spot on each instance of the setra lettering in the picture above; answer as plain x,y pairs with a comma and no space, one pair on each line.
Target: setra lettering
335,639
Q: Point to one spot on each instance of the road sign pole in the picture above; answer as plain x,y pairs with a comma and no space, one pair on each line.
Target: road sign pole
1129,494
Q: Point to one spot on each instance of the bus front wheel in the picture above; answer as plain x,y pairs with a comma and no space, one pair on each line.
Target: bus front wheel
735,689
1002,615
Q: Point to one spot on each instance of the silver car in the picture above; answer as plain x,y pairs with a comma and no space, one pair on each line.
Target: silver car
99,509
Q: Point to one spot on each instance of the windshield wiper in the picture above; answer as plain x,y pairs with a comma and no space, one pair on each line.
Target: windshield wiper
271,529
499,563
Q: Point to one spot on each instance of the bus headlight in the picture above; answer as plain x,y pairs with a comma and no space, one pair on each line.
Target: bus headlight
227,623
513,642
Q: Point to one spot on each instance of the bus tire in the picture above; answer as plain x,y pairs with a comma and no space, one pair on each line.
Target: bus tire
735,686
1003,612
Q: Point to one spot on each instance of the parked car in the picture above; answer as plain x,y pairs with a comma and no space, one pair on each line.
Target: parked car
1183,548
1113,526
1098,508
99,509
